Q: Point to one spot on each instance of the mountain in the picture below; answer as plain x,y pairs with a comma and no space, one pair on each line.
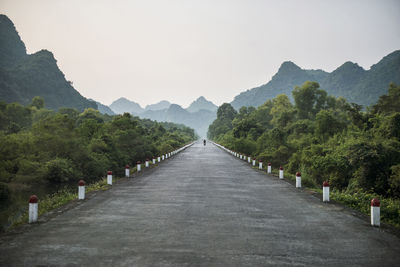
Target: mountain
123,105
104,109
199,120
158,106
202,103
349,80
24,76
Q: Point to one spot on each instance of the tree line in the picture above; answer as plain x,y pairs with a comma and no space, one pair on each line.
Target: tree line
323,137
43,150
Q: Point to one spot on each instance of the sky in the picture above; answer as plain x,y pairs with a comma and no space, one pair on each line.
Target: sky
178,50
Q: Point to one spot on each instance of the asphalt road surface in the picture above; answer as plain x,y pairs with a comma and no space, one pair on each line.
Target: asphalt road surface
203,207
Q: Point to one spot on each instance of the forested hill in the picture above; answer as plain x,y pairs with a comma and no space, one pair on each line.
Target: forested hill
24,76
349,81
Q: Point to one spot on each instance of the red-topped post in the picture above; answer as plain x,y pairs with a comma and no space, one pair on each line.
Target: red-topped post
147,163
254,161
33,209
269,168
127,170
159,159
281,172
375,212
81,189
154,160
298,180
260,164
138,166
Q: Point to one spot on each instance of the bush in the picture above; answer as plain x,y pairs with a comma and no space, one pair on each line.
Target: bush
60,170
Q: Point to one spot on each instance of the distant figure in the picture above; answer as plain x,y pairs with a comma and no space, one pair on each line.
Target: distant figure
204,141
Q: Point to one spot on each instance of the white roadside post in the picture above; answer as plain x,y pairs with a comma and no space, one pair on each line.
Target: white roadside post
249,159
325,191
269,169
281,172
147,163
375,212
81,189
154,160
138,166
298,180
162,156
241,156
109,177
33,209
159,159
254,162
127,170
260,164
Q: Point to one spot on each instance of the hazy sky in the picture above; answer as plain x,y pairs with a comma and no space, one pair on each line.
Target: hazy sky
179,50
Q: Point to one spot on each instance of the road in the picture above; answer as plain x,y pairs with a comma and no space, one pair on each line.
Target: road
203,207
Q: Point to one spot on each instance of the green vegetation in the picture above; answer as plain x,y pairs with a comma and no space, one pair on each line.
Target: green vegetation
44,151
325,138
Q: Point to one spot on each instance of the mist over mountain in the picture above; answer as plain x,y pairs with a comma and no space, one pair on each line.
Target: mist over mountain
198,115
202,103
24,76
122,105
349,80
158,106
103,108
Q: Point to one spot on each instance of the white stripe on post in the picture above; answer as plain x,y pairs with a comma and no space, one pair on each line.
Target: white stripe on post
159,159
249,159
81,189
147,163
109,177
298,180
375,212
33,209
154,161
281,172
269,169
254,162
260,164
325,191
127,167
138,166
162,156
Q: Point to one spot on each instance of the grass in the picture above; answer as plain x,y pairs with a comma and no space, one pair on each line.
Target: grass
59,199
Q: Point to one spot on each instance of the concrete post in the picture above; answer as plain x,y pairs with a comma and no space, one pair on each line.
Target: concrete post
127,170
159,159
241,156
162,157
81,189
298,180
138,166
269,169
147,163
254,162
281,172
375,212
249,159
260,164
154,161
109,177
33,209
325,191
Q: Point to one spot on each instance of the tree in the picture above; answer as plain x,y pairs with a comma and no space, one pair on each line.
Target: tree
37,102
